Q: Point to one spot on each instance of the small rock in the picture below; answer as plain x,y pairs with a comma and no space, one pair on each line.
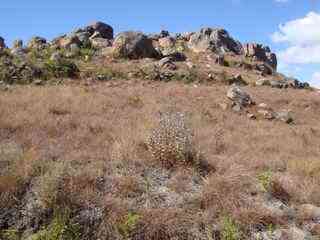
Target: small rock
239,96
308,212
236,107
284,116
38,82
251,116
263,82
263,105
266,114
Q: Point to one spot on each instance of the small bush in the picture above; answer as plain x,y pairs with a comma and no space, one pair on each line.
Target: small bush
63,68
265,180
128,225
230,230
10,234
171,142
60,229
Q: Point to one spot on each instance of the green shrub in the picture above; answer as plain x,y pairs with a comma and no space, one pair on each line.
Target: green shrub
60,229
10,234
230,230
265,179
126,227
63,68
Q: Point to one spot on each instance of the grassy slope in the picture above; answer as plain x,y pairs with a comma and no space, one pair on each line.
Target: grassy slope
89,144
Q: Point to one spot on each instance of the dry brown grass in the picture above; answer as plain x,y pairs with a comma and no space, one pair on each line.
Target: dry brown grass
100,131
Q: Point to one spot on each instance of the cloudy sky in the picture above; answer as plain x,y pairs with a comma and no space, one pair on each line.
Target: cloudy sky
289,27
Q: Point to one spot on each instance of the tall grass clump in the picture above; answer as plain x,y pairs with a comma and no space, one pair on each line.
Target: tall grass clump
171,142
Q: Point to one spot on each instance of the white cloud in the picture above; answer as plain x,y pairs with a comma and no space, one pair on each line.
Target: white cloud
303,38
281,1
300,31
300,54
315,80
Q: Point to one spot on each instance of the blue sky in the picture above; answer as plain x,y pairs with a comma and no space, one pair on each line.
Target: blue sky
246,20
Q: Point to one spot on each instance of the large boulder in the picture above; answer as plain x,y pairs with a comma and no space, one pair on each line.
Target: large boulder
104,30
214,39
133,45
68,41
261,53
37,43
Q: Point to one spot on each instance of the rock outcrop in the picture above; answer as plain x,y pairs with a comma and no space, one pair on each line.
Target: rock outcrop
260,52
214,39
37,43
133,45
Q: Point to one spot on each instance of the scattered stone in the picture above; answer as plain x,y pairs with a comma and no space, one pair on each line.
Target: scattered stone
308,212
278,84
237,79
236,107
264,69
251,116
263,105
266,114
284,116
295,83
239,96
263,82
38,82
214,39
133,45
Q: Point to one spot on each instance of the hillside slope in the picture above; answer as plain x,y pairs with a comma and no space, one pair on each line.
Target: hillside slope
155,137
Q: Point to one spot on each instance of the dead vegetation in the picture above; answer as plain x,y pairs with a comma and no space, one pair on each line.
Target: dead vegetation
104,147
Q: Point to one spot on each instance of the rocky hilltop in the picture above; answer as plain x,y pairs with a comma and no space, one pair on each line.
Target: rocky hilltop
63,57
153,137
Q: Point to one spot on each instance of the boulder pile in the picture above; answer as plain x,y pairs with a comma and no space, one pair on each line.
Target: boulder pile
97,40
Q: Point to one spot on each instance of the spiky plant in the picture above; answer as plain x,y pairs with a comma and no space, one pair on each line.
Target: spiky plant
171,141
